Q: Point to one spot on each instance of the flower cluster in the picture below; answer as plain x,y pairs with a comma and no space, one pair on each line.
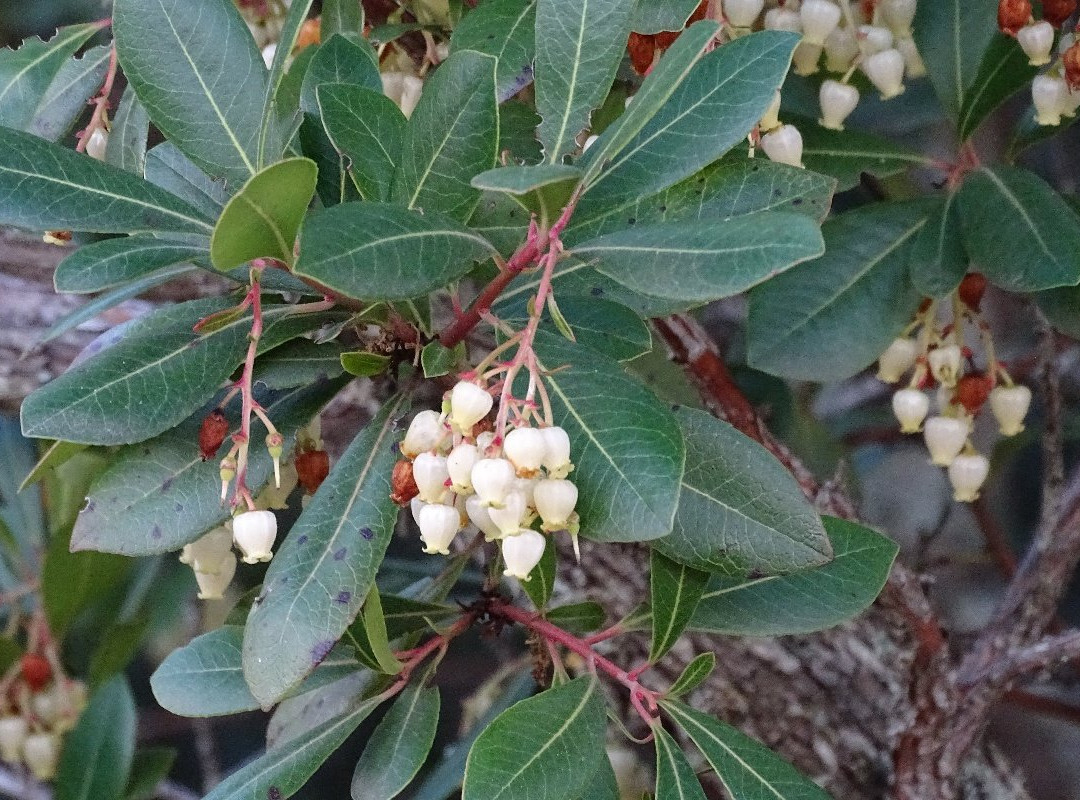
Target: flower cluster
41,705
936,356
1055,93
510,483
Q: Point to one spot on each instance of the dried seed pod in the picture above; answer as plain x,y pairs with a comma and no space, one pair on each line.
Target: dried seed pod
212,433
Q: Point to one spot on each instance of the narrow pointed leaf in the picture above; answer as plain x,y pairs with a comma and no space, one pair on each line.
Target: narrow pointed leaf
598,324
67,96
170,169
506,30
378,641
603,785
675,778
541,581
367,128
695,673
127,136
342,16
103,265
1004,70
338,60
938,257
318,580
205,47
452,135
521,180
543,748
399,745
675,590
275,127
298,363
952,36
97,754
846,155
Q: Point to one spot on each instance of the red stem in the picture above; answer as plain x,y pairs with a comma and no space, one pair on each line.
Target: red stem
101,103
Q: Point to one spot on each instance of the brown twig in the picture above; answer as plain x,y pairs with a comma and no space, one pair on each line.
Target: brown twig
1044,654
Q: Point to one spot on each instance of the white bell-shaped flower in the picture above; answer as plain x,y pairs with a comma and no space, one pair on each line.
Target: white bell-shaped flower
254,533
1037,41
492,478
1049,94
469,404
425,432
898,15
207,552
511,514
782,19
525,448
945,363
555,502
527,486
556,452
438,525
897,359
522,552
97,144
771,119
47,705
874,39
945,438
459,465
403,89
480,516
967,473
805,60
484,440
13,731
910,407
914,67
784,145
838,100
212,585
819,18
743,13
1010,405
886,71
41,753
841,47
431,474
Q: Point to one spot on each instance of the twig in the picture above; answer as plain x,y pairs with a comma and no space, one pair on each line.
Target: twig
1048,706
1039,656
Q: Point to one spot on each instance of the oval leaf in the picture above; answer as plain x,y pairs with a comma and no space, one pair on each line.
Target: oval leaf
675,778
938,258
103,265
399,745
675,590
367,128
952,36
506,30
97,754
846,155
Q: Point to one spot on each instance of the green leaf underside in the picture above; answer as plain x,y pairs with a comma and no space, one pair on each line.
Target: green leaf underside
805,601
317,582
1019,231
44,186
543,748
846,155
67,96
399,745
382,252
952,36
675,778
206,47
368,129
205,678
1004,70
127,136
159,495
627,447
97,755
675,590
103,265
938,258
262,219
521,180
832,317
506,30
740,511
170,169
697,263
578,617
748,769
579,44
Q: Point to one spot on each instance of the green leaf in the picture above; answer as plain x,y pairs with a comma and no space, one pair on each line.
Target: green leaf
506,30
342,16
517,132
49,187
1019,231
338,60
578,618
748,769
662,15
298,363
603,785
206,48
117,647
277,115
437,360
601,325
364,365
127,137
846,155
715,107
149,767
806,601
262,219
404,615
452,135
317,582
284,769
952,36
629,455
205,678
368,129
675,778
97,755
399,745
159,495
113,262
72,582
69,93
697,264
170,169
675,590
541,582
1004,70
522,180
696,672
1062,309
377,639
543,748
27,74
739,511
579,44
373,251
938,258
832,317
53,456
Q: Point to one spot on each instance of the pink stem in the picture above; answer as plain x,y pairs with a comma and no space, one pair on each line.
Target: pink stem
101,104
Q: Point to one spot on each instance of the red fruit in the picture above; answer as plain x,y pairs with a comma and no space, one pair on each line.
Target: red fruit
312,468
1071,61
1013,15
403,484
972,391
971,290
36,671
212,433
1057,11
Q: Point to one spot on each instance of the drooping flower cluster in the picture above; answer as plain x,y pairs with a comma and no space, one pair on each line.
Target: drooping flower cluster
1055,93
936,356
459,473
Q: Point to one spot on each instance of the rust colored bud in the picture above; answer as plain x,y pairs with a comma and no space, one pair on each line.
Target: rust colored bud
641,48
1071,61
310,33
1013,15
36,671
312,467
1057,11
212,433
971,290
403,484
972,391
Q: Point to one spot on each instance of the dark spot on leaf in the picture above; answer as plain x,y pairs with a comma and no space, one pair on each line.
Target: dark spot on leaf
320,651
596,291
755,574
631,221
395,447
179,507
166,484
273,793
156,532
146,451
367,533
777,193
343,597
798,201
302,539
90,505
663,209
339,554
